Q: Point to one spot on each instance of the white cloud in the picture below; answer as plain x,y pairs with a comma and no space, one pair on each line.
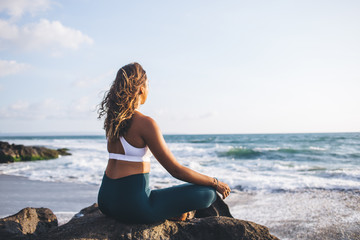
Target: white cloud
25,110
49,109
8,31
11,67
19,106
42,34
16,8
79,107
11,110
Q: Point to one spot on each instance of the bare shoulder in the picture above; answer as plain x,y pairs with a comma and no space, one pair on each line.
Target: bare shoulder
144,122
149,131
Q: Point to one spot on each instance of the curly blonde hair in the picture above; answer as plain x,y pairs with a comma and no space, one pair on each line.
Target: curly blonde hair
120,102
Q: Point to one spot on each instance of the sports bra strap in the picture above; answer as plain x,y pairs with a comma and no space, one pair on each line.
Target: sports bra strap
125,144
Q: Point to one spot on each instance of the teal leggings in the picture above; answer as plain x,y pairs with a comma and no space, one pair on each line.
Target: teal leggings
130,200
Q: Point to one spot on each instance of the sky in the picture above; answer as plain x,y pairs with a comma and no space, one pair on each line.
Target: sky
213,66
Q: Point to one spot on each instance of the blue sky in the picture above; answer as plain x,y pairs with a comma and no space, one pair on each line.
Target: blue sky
213,66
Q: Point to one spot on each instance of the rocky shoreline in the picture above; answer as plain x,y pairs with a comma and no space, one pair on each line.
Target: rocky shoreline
15,153
214,222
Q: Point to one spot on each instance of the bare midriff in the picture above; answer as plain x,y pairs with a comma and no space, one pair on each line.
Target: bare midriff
118,168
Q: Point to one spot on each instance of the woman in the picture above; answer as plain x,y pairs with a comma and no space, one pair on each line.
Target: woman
124,193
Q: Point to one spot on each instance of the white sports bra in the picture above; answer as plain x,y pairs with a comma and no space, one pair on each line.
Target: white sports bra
132,154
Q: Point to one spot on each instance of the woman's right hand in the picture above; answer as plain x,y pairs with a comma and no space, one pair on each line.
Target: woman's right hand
223,189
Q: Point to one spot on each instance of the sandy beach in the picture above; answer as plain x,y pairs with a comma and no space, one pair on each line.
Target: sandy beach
64,199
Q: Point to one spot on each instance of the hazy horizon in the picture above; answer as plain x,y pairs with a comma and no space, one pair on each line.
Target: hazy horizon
70,134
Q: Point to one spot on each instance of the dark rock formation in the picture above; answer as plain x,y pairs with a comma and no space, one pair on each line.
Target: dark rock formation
15,153
29,223
90,223
217,209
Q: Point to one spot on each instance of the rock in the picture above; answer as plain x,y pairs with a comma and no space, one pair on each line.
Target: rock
63,151
15,153
90,223
29,223
218,208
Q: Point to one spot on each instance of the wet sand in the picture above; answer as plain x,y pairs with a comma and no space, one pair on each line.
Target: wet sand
64,199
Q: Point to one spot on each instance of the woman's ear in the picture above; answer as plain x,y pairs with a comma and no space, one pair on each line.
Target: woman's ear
142,90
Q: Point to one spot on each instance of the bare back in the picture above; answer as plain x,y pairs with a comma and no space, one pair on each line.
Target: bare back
145,132
118,168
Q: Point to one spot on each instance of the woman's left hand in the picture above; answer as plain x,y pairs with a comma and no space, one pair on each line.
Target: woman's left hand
223,189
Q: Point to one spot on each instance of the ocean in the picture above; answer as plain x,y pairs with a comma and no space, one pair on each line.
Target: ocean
258,162
263,170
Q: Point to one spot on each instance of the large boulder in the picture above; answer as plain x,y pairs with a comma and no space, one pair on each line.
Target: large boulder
15,153
90,223
29,223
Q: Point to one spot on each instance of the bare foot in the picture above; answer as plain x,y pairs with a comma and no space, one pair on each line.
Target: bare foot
191,215
184,216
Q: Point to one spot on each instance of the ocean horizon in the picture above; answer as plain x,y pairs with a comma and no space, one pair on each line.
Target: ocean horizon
102,133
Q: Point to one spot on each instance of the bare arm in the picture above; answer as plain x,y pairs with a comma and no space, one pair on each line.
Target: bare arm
154,139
